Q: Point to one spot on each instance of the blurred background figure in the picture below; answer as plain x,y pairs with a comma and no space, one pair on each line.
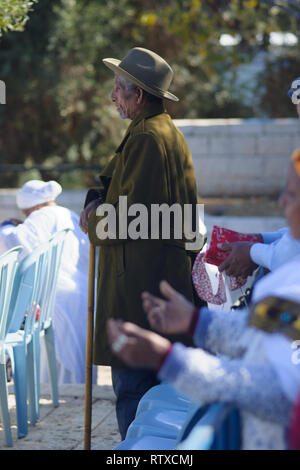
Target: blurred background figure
43,218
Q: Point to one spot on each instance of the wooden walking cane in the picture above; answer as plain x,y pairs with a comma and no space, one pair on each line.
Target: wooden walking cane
89,351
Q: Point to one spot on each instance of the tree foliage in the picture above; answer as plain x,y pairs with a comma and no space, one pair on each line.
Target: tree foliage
206,73
14,14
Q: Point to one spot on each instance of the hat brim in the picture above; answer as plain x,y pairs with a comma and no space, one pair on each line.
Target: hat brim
114,65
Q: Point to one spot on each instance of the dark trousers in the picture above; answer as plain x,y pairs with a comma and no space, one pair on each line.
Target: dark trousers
129,386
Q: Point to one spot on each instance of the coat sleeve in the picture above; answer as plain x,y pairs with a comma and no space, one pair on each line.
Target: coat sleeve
142,178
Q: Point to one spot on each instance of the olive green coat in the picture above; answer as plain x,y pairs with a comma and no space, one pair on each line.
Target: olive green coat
152,165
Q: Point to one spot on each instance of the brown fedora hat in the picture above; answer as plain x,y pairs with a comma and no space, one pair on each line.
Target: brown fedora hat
146,69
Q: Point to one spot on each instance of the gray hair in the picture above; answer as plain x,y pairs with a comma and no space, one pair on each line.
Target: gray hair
128,86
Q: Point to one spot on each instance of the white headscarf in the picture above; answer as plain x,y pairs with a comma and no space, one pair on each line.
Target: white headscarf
36,192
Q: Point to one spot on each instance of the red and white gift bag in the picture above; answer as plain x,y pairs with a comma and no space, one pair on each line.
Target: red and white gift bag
214,255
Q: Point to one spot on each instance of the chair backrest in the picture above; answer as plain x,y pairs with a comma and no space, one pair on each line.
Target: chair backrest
8,268
35,284
211,427
49,288
27,289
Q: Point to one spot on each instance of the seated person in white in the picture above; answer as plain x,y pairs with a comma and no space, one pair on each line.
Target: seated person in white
44,218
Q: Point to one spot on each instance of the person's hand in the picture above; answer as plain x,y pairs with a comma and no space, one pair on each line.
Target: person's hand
135,346
85,213
239,262
169,316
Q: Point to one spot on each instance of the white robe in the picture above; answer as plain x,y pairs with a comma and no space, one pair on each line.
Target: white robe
70,313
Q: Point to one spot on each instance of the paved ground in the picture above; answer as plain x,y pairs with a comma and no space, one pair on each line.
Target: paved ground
62,428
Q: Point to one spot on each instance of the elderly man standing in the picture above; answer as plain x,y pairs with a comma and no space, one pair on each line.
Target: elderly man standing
152,165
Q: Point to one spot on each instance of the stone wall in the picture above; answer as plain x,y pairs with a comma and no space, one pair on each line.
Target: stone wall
240,157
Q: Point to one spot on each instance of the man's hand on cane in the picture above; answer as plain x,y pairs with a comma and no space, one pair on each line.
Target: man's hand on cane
85,213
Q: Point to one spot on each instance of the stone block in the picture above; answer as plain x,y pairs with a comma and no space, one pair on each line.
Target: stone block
275,144
230,176
198,146
230,145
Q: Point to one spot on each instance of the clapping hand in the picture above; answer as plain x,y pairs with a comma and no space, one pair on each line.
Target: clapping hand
135,346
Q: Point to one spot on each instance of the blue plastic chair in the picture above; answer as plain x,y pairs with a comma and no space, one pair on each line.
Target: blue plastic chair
160,412
161,422
19,342
34,288
163,396
215,426
152,438
44,328
8,267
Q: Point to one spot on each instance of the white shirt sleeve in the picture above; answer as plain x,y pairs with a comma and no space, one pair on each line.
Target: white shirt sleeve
277,253
270,237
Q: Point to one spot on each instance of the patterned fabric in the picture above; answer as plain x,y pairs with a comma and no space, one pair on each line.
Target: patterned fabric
203,285
216,256
277,315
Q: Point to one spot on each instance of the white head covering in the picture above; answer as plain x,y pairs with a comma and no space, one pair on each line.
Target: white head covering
36,192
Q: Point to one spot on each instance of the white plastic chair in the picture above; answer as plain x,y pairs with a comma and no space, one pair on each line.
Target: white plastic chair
19,341
44,328
8,267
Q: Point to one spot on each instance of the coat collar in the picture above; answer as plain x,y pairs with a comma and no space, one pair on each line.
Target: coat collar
151,109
